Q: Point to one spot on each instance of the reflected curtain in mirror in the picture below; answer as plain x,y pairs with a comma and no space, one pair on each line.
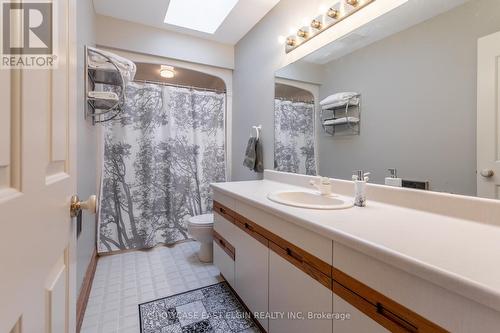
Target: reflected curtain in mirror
294,149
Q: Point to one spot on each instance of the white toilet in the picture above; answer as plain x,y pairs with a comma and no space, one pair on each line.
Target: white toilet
200,227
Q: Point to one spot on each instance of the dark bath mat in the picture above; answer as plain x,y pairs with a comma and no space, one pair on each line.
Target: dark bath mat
213,308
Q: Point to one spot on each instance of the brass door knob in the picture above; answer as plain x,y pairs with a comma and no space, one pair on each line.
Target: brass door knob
487,173
76,205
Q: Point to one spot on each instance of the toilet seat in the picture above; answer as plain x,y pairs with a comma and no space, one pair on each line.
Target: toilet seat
200,221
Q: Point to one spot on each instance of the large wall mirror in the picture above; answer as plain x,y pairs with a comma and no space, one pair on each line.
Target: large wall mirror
416,90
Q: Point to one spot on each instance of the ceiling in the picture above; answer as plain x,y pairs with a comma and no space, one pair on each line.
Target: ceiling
240,20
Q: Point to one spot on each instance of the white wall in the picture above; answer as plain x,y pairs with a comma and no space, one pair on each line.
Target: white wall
143,39
257,56
87,143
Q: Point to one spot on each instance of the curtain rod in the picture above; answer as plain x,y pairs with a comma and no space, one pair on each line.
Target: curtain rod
180,86
294,100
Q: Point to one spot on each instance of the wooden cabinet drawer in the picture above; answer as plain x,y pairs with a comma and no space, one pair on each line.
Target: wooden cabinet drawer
298,261
252,229
225,228
224,211
224,245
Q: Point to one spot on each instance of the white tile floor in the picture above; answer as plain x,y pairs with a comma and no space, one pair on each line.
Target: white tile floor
125,280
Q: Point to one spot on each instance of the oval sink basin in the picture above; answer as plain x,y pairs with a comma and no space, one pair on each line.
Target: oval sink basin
308,200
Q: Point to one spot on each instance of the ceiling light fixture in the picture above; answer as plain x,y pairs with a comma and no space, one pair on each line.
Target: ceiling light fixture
333,15
201,15
167,72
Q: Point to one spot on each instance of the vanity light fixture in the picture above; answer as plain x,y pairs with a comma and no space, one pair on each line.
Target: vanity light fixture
290,41
302,33
316,24
333,15
167,72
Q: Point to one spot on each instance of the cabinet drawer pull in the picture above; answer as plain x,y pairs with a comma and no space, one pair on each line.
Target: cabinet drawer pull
221,242
294,255
248,226
395,319
222,210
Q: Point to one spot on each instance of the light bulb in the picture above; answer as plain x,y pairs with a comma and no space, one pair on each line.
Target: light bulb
167,72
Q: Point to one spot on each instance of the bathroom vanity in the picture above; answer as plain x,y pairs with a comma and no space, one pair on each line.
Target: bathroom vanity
384,267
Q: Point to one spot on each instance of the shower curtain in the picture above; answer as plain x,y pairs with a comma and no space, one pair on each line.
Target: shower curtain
159,159
294,137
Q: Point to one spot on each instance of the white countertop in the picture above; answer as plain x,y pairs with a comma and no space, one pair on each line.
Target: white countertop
459,255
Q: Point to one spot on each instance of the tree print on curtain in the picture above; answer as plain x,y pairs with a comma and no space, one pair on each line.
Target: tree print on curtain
159,160
294,137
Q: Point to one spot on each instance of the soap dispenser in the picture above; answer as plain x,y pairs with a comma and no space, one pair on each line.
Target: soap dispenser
360,178
393,179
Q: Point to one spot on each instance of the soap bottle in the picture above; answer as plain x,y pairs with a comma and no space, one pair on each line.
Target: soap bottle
360,178
393,179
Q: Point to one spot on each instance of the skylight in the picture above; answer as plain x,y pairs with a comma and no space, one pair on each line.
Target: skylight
200,15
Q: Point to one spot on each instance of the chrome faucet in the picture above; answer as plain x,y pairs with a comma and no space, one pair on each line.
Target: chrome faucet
323,185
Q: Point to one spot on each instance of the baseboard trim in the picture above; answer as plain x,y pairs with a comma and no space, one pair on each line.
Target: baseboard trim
83,297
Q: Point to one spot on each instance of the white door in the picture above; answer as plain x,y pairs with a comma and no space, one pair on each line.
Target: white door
37,179
488,117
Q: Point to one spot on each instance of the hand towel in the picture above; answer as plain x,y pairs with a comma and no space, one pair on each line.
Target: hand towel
251,154
343,120
126,67
259,163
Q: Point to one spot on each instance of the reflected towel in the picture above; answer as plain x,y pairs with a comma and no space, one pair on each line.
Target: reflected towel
352,101
259,164
337,98
251,154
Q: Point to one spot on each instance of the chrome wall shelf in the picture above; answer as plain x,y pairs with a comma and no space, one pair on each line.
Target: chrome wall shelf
103,106
343,120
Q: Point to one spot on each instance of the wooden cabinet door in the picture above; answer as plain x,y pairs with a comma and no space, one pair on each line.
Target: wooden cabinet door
251,273
295,293
351,319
